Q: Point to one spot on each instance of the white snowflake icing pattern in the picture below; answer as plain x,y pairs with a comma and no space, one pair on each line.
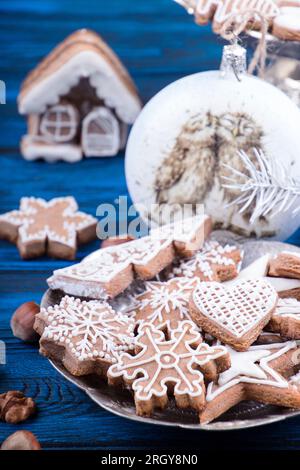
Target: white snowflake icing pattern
165,303
211,254
88,329
160,362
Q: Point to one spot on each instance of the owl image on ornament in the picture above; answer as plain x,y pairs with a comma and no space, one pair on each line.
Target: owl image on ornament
195,165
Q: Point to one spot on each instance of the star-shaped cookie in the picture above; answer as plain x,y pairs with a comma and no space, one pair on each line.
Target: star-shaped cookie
47,227
256,374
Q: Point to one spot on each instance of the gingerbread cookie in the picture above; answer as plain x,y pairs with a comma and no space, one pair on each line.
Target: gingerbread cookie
162,366
79,101
256,374
188,234
213,262
286,25
108,271
285,287
286,318
286,264
220,11
52,227
234,314
165,304
87,337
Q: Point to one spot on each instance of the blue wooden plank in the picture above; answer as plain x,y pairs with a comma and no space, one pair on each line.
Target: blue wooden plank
159,44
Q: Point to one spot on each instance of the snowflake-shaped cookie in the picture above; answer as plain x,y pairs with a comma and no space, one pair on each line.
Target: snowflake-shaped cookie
213,262
51,227
165,304
161,366
90,334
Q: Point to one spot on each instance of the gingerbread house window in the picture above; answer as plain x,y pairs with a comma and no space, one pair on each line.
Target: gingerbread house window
100,133
60,123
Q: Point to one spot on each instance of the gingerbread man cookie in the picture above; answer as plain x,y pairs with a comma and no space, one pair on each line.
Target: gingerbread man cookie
165,304
256,374
286,318
213,262
52,227
86,336
107,272
162,366
234,314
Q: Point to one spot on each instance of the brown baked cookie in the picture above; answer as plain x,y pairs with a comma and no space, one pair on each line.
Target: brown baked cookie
213,262
87,337
286,319
257,374
52,227
188,234
286,25
175,366
286,264
107,272
164,304
235,314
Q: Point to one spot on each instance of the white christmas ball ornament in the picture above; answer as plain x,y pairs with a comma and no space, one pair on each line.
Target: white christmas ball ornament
183,137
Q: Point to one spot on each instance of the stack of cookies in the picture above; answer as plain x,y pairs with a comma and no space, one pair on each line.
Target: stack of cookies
210,335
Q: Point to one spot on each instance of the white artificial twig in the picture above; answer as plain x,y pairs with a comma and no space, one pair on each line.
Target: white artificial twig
267,183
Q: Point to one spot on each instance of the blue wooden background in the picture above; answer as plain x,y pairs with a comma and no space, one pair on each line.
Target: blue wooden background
159,43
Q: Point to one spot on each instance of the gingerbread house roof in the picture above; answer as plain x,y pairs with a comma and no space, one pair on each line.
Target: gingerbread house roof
82,54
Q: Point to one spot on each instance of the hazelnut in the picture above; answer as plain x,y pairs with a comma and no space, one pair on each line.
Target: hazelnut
15,407
22,321
111,241
21,440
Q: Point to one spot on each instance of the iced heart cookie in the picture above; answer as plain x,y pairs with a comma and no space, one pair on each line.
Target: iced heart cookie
213,262
52,227
160,367
286,25
165,304
286,318
234,314
87,337
256,374
286,264
107,272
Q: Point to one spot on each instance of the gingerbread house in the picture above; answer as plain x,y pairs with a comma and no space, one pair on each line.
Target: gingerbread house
78,101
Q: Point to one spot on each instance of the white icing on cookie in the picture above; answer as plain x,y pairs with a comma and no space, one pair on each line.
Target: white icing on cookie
212,253
237,308
164,304
103,265
221,10
252,366
162,362
103,78
57,220
289,19
288,308
88,329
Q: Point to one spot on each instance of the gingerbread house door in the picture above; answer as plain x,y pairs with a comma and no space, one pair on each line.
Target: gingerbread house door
100,133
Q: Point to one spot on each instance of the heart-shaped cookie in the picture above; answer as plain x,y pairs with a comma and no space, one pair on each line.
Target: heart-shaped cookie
234,314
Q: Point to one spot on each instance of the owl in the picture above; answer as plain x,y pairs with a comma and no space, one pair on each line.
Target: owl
186,173
195,164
